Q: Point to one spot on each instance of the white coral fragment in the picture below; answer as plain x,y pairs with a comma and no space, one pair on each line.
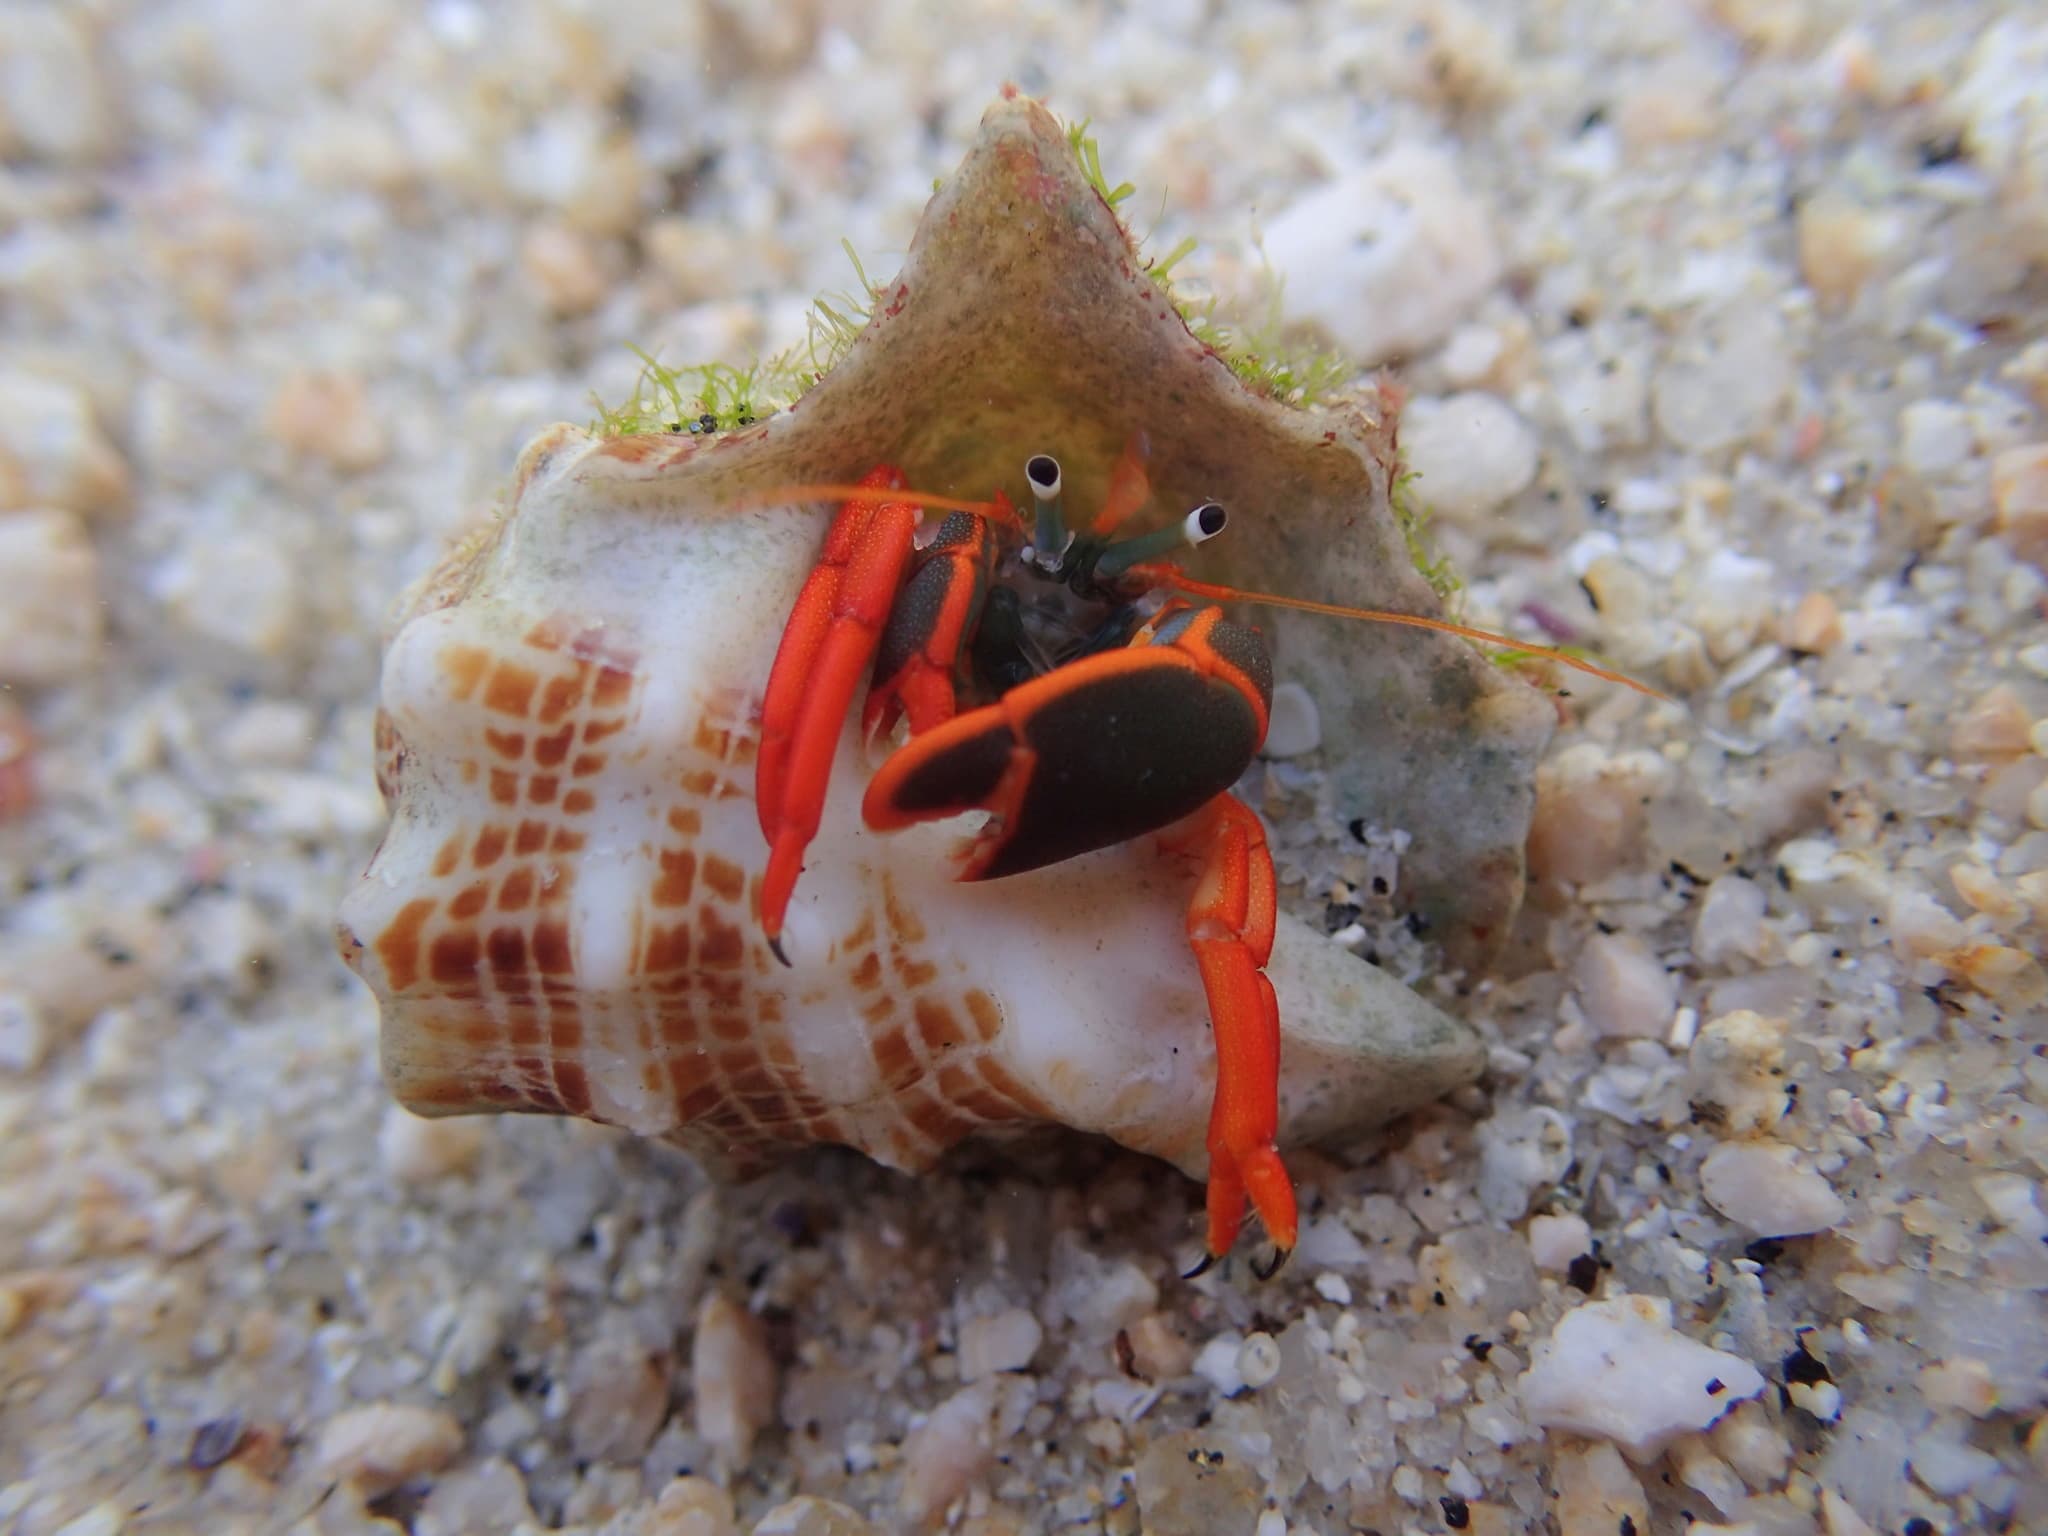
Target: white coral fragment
1619,1370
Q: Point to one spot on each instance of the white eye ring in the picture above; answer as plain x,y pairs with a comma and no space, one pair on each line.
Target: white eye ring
1043,471
1204,523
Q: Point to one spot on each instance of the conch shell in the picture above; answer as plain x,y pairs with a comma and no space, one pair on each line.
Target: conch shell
562,917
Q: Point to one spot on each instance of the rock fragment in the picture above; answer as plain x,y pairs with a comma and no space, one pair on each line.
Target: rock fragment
1187,1486
1004,1342
1619,1370
1960,1383
1998,103
734,1378
54,101
2019,490
1625,990
1814,627
1944,1465
243,593
1554,1241
1389,258
1841,243
692,1506
945,1454
1766,1187
52,452
1590,811
809,1516
1735,1078
71,959
1725,380
24,1035
1674,102
1996,728
489,1496
1471,452
1098,1294
1258,1360
1293,725
618,1397
418,1151
1841,1516
1935,438
1520,1152
382,1446
326,415
1158,1352
1597,1494
562,268
2002,973
17,761
51,619
1753,1445
1730,924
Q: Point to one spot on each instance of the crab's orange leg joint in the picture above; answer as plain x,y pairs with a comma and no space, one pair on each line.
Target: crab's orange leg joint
826,650
1230,927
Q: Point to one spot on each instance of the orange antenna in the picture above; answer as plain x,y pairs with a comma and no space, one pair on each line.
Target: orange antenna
1171,576
999,510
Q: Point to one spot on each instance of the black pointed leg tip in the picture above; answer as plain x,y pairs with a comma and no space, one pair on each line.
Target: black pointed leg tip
1202,1268
775,943
1268,1271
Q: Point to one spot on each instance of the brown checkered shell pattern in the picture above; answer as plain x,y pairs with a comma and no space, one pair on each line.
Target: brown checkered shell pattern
563,917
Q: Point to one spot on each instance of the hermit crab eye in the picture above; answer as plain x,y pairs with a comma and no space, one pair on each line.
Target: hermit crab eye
1050,537
1204,523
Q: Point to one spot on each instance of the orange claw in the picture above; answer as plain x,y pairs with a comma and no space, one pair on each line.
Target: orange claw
826,650
1230,928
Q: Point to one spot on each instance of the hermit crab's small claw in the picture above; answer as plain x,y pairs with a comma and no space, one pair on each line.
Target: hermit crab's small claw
1278,1262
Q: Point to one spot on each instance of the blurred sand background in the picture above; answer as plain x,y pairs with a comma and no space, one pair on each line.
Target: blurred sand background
1725,332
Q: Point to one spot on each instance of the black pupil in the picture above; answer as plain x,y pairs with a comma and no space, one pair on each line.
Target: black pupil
1212,518
1042,470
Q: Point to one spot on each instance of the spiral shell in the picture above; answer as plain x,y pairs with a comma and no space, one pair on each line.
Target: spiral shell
563,916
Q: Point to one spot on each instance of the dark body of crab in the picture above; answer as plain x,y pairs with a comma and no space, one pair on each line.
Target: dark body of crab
1120,738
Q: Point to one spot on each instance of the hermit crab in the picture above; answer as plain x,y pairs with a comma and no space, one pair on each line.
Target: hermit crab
616,728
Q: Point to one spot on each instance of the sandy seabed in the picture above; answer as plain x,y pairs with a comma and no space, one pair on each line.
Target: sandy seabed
1725,331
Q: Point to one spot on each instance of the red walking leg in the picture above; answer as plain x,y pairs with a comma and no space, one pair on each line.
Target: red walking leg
1230,927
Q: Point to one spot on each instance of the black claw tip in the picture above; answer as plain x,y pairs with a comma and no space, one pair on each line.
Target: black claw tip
1267,1272
1200,1269
776,945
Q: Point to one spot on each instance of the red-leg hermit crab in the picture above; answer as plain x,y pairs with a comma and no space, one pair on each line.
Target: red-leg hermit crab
1109,710
572,909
